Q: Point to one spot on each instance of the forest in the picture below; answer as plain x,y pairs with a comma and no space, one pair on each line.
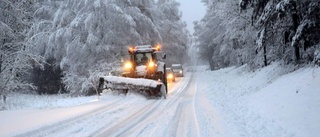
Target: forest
258,32
62,46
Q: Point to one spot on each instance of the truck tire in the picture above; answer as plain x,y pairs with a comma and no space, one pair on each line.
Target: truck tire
165,82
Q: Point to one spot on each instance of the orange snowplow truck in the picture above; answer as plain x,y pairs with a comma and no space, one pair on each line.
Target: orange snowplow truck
142,67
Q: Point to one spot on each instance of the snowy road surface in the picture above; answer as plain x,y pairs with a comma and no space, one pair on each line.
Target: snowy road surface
230,102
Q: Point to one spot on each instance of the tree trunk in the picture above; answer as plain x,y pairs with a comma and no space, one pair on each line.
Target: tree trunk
265,56
211,64
295,19
297,52
4,98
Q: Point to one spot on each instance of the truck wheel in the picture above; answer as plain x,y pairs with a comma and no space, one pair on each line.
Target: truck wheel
165,79
100,85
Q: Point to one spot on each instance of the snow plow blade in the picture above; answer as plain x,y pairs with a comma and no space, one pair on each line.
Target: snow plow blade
147,87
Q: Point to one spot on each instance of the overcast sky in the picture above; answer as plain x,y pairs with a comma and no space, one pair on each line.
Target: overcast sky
192,10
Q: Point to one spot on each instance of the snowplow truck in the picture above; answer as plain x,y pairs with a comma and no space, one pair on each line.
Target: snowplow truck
143,73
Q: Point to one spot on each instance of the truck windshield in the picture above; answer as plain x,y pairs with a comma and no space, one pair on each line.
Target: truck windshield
143,58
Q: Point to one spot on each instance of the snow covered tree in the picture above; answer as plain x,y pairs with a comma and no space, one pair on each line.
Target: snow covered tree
223,36
15,20
257,32
290,28
86,39
172,30
82,37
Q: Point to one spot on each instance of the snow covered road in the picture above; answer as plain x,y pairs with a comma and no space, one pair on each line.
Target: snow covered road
130,115
230,102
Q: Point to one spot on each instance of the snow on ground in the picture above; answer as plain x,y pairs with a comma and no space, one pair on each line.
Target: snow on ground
274,101
27,101
293,101
270,102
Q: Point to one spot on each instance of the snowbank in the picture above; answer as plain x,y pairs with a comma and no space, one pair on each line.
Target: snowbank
29,101
292,101
272,101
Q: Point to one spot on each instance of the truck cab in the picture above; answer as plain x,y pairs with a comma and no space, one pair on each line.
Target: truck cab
144,63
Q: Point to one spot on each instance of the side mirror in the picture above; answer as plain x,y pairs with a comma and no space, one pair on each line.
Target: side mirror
164,56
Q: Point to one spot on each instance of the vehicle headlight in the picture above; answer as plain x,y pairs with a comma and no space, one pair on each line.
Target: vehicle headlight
128,65
180,71
151,64
170,76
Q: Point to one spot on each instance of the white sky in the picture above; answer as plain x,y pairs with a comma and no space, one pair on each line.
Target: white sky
192,10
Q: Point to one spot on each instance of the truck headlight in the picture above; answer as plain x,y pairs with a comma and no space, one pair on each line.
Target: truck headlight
151,64
170,76
180,71
128,65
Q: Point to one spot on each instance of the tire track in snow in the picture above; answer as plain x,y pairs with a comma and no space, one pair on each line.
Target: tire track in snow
117,117
147,116
187,122
60,126
150,124
173,113
208,117
128,122
165,121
